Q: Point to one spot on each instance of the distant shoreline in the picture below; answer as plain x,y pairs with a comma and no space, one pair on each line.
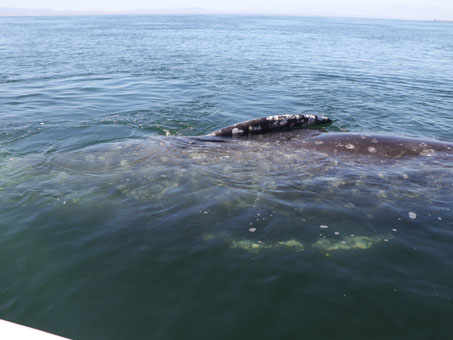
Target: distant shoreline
20,12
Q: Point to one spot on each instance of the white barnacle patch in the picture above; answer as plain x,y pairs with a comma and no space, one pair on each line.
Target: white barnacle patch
371,149
382,194
195,155
427,152
311,119
412,215
237,131
319,142
374,140
337,182
277,117
349,146
255,128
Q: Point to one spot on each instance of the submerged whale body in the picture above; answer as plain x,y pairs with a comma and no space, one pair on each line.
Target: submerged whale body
376,145
211,182
352,143
276,140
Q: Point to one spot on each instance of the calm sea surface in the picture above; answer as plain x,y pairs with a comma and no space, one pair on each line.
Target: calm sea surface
115,226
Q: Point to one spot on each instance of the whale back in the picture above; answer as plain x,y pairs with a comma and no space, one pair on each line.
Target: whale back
270,124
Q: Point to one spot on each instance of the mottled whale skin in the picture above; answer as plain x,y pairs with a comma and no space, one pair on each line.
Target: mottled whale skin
270,124
331,142
376,145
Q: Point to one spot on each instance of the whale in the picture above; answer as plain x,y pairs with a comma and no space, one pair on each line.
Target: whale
282,140
287,130
287,176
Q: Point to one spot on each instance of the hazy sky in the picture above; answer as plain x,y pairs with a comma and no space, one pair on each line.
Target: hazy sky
410,9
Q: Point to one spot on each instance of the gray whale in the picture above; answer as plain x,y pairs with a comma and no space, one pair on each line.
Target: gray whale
268,141
279,130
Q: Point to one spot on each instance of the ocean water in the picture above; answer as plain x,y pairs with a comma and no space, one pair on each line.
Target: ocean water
115,225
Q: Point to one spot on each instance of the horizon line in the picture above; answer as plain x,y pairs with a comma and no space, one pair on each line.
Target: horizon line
40,12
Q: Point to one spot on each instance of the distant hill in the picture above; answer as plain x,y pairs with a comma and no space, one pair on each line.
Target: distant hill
4,11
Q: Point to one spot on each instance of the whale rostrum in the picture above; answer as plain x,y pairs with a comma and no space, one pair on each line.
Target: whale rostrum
270,124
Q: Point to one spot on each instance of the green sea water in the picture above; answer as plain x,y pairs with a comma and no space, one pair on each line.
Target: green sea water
116,225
